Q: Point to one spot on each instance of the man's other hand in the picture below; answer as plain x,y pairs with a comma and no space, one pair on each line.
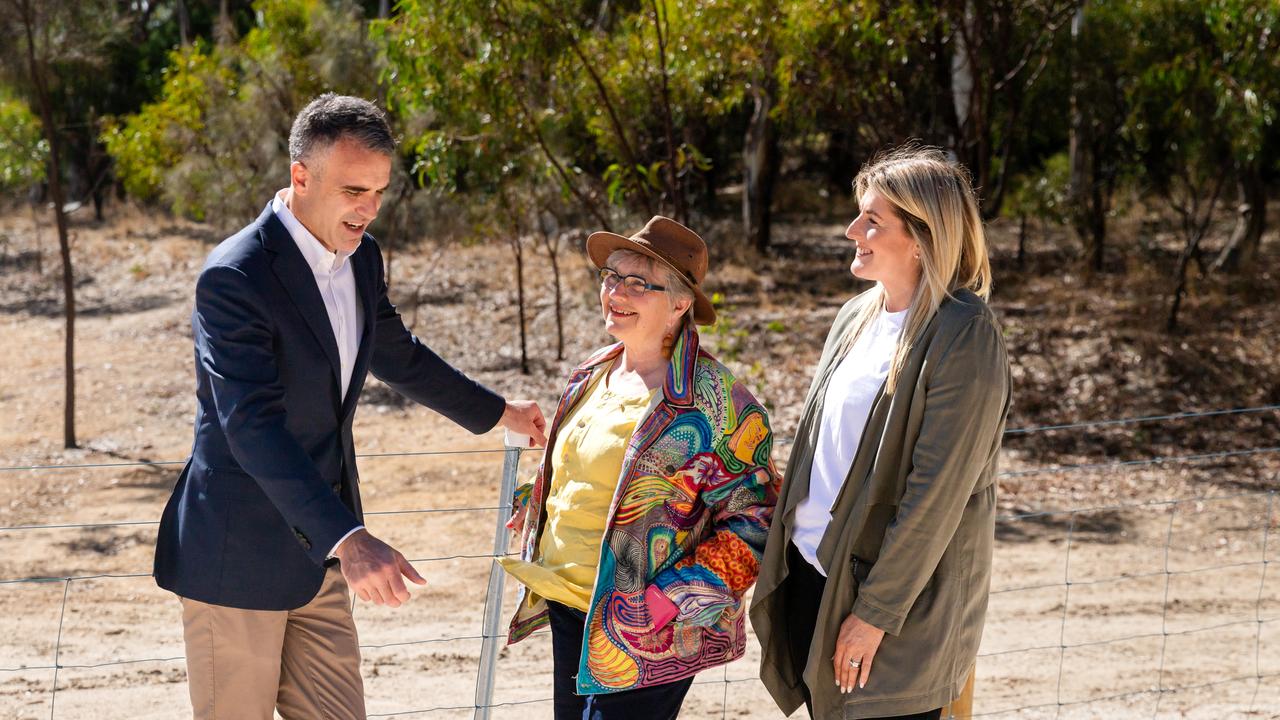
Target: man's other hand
524,417
375,570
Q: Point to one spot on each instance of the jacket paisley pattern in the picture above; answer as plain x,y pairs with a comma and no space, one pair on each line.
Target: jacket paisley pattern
688,519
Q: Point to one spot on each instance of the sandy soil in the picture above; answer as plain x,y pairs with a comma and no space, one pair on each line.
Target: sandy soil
1086,605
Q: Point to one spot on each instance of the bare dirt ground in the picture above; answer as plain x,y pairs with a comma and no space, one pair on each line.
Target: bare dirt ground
1093,612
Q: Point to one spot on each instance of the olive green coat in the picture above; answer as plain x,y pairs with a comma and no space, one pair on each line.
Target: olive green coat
919,503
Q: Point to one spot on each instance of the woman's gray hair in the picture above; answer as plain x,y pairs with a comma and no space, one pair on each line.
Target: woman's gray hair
677,287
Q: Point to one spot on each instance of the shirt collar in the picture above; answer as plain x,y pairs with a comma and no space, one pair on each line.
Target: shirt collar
314,252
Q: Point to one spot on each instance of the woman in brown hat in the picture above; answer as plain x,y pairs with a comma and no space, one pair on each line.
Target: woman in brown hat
645,522
873,588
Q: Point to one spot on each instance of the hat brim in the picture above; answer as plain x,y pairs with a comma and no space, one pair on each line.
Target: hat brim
601,244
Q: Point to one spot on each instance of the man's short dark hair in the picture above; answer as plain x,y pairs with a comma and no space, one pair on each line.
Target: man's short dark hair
331,117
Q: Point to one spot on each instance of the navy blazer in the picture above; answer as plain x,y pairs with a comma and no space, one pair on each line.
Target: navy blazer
271,484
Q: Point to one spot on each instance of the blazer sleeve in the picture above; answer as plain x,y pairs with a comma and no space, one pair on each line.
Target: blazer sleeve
739,489
412,369
966,399
233,340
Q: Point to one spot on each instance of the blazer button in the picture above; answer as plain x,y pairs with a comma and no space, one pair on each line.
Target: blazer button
337,486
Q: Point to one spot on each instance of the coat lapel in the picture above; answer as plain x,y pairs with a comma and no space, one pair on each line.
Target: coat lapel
364,268
677,392
300,284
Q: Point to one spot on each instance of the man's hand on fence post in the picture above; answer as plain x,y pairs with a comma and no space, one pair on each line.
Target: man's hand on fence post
374,570
525,417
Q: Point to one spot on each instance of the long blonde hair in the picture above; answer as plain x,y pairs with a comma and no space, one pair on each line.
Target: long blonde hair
935,201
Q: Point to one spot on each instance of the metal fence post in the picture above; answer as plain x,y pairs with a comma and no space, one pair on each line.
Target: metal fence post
493,597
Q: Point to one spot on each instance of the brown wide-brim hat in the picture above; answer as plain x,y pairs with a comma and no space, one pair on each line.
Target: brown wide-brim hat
671,244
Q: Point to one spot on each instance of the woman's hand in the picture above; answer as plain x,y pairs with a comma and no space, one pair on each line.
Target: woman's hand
516,523
857,643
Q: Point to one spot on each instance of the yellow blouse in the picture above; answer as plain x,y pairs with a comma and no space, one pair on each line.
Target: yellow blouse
586,462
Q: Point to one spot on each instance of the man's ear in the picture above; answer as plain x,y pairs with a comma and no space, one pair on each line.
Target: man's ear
299,178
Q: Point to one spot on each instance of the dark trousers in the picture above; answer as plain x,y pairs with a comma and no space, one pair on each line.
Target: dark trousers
660,702
802,596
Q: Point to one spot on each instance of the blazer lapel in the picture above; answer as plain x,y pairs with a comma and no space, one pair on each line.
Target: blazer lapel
364,269
300,284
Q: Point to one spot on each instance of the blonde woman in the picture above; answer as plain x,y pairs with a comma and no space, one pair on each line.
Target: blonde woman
874,582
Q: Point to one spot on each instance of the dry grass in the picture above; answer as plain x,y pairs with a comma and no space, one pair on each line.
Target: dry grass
1082,348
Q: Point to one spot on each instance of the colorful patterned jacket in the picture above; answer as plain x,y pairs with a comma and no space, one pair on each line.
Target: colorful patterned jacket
687,524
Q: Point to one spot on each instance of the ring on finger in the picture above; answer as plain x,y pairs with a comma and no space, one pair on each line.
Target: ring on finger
855,663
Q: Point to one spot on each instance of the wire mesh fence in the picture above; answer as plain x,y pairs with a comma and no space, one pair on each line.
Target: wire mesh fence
1159,609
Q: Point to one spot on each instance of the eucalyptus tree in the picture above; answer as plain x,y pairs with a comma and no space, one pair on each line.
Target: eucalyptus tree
52,43
1185,119
214,144
998,51
1247,35
1101,56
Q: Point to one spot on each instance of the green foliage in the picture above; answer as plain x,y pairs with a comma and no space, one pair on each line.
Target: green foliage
23,149
1210,89
611,110
855,64
1044,193
725,336
538,90
730,342
1203,99
215,143
151,142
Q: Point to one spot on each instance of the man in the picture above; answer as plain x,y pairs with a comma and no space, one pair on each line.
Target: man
263,536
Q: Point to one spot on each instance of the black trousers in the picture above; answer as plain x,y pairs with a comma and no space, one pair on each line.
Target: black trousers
801,598
660,702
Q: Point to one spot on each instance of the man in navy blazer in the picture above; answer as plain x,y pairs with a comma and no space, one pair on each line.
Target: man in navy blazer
263,534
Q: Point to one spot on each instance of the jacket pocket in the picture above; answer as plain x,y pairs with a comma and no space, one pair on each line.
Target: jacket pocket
920,658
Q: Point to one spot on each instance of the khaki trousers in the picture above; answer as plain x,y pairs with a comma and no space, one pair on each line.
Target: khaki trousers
245,664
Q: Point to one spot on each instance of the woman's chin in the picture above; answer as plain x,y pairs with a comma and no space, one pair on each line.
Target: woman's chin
612,328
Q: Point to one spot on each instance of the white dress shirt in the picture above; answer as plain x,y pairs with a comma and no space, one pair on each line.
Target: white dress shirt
854,385
337,284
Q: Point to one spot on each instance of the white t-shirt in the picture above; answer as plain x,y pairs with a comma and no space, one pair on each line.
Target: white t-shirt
853,388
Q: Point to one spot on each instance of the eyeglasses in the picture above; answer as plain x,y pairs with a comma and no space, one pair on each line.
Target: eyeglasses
631,284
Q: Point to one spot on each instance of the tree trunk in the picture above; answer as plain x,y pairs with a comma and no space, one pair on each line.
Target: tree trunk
675,183
1251,221
553,256
1184,261
39,236
518,250
60,219
759,170
1022,240
944,125
184,23
1088,216
1195,227
967,95
962,81
225,33
1096,217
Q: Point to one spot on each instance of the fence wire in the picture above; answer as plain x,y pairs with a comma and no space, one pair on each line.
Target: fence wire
1072,541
